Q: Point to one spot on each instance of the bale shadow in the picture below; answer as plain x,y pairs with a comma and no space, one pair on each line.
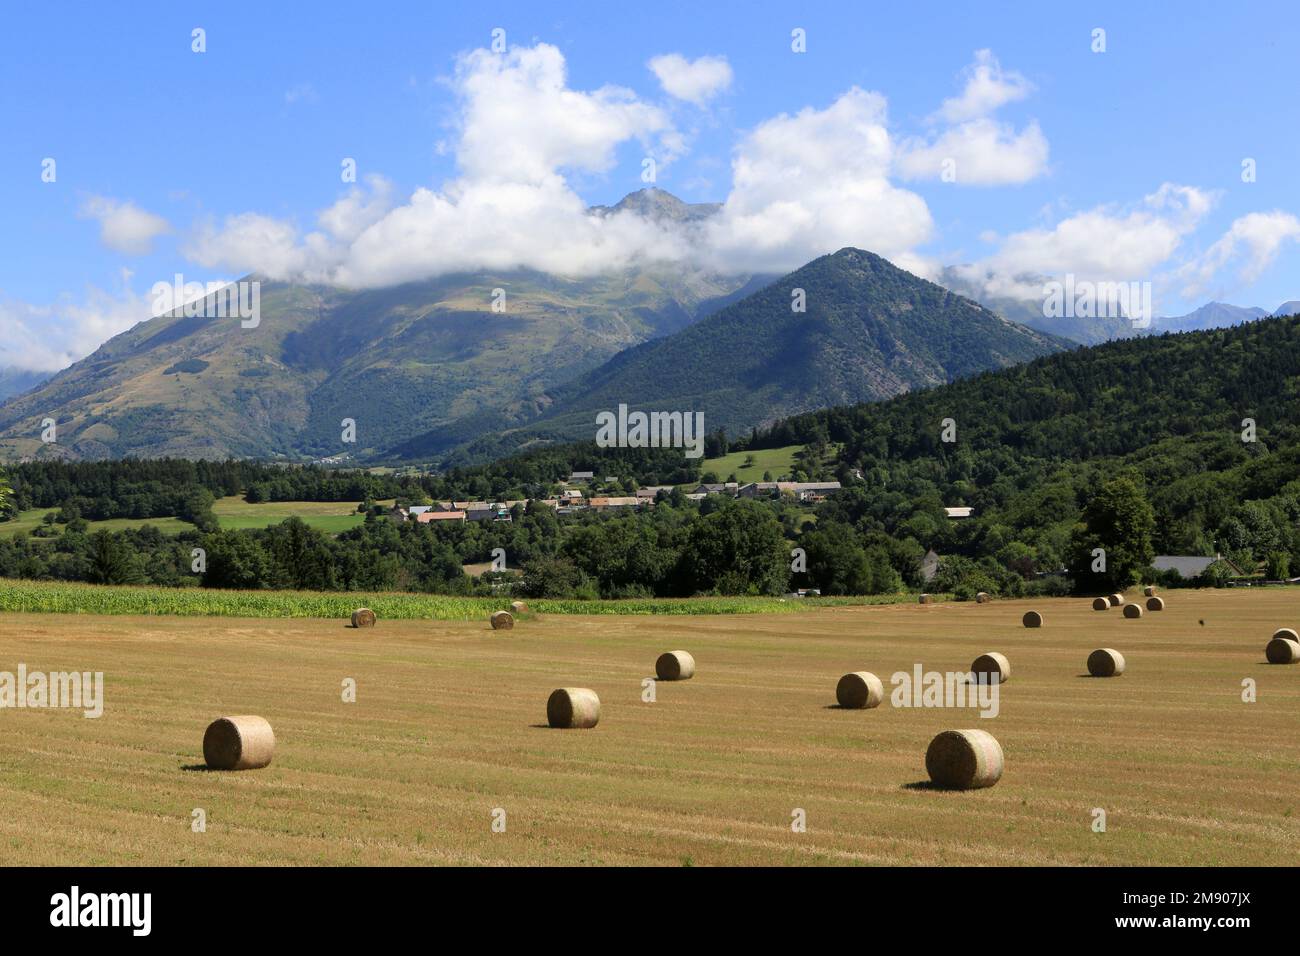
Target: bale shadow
922,785
198,768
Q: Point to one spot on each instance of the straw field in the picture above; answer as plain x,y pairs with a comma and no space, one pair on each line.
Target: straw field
447,736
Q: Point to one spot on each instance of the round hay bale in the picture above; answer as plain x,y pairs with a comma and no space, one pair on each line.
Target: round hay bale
1155,603
675,665
1287,634
994,664
1100,604
1032,619
926,599
1149,591
982,598
238,743
858,690
1105,662
964,760
363,617
573,707
518,607
1282,651
1116,600
1132,610
502,620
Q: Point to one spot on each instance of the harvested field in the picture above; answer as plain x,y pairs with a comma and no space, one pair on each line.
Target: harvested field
450,722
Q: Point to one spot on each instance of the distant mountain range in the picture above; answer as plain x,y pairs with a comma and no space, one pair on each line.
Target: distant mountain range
870,331
15,381
1086,331
398,361
1212,315
428,369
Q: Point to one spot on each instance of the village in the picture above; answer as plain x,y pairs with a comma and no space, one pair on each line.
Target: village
576,497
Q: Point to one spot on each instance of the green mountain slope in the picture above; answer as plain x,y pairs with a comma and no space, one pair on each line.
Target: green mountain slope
870,331
398,361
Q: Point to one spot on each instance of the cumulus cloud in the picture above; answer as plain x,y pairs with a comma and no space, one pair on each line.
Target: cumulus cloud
981,152
987,87
696,81
123,226
1104,244
47,338
1251,243
974,149
521,132
803,185
811,183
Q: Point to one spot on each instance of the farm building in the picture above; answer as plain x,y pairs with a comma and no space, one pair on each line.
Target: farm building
652,492
602,504
428,517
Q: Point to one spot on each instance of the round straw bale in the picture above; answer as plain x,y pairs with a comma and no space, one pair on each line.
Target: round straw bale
1132,610
363,617
518,607
1116,599
982,598
502,620
859,689
1033,619
1149,591
238,743
1282,651
1105,662
995,665
926,599
675,665
1155,603
573,707
964,760
1287,634
1100,604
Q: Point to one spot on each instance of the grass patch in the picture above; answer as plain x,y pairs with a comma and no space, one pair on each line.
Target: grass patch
779,461
65,598
30,520
235,514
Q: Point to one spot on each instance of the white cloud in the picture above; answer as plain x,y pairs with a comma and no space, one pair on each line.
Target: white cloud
975,149
47,338
521,132
696,81
249,242
811,183
1104,244
1252,242
804,185
988,87
123,226
982,152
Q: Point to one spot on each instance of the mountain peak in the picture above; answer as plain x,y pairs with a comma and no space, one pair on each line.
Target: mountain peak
1288,308
659,205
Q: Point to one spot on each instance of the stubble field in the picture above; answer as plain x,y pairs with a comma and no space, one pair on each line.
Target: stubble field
448,727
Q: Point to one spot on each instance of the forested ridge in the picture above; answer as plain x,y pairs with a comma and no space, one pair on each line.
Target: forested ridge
1179,444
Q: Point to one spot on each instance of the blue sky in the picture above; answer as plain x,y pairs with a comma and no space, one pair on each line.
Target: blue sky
1123,165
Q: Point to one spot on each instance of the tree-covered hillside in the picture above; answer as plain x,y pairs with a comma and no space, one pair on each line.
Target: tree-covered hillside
845,328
